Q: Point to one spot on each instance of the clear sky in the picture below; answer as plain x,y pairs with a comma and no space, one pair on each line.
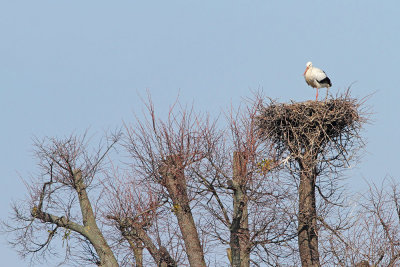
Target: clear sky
66,66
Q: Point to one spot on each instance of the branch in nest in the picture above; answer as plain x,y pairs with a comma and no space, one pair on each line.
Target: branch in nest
322,132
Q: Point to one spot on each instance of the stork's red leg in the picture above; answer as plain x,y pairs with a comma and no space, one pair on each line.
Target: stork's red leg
316,99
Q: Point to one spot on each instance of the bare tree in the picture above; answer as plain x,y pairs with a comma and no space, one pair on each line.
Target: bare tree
133,209
317,138
247,203
60,205
374,238
163,152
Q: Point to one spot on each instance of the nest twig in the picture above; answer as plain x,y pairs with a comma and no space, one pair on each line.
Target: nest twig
320,131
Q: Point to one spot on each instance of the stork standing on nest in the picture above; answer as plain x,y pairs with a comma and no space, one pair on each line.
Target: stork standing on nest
316,78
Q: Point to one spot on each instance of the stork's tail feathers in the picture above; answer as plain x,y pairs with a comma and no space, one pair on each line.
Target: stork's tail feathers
326,81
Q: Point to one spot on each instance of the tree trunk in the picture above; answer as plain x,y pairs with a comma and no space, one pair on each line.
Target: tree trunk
307,218
137,247
175,182
244,238
138,239
138,252
240,237
91,230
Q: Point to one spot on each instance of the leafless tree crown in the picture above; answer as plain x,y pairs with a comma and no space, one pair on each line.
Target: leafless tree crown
188,191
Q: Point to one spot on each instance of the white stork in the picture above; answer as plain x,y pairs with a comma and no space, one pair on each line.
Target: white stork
316,78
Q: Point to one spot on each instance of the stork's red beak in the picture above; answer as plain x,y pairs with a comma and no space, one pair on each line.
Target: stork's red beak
305,71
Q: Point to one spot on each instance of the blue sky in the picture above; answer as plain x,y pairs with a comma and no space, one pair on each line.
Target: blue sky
66,66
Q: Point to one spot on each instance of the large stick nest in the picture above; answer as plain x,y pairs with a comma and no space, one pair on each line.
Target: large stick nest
309,127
